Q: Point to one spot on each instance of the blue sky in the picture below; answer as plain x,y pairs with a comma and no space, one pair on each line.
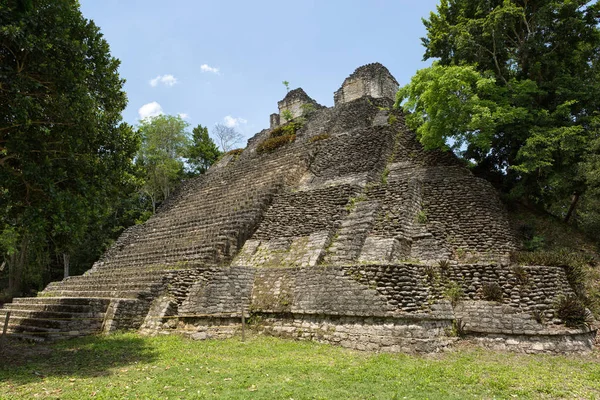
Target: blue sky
224,61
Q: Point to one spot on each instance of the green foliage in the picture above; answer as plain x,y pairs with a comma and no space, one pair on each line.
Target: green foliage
287,85
202,151
308,109
572,311
535,243
491,291
353,202
459,328
165,143
454,292
234,152
286,129
131,366
384,175
515,90
280,136
430,272
317,138
65,156
444,266
521,274
273,143
287,115
421,217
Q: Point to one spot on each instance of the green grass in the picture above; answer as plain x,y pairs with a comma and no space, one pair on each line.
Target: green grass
129,366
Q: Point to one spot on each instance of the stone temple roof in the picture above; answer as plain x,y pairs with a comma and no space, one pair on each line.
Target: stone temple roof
297,94
370,71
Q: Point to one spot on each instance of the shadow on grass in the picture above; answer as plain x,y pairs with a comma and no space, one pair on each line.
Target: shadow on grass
94,356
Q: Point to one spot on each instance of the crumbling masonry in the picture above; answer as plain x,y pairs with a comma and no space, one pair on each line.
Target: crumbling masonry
336,237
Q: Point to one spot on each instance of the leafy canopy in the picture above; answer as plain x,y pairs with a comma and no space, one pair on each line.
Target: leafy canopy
65,155
202,152
515,88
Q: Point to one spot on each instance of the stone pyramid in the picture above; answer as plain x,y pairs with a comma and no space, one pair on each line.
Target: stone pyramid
335,226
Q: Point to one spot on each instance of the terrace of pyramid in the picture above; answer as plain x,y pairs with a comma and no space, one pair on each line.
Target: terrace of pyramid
349,233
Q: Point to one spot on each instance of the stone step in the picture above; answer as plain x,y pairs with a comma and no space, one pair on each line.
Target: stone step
105,294
69,301
108,280
57,325
49,314
53,308
93,285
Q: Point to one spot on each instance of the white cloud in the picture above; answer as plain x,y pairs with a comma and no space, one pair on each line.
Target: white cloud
231,122
208,68
184,116
167,80
150,110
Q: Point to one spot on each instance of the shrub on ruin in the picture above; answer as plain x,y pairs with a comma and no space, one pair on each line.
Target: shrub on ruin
573,263
454,292
459,328
308,109
521,274
421,217
492,291
430,272
323,136
572,311
538,315
274,143
444,266
287,115
287,129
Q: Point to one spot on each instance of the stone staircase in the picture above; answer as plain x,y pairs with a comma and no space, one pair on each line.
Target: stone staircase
350,237
203,224
42,318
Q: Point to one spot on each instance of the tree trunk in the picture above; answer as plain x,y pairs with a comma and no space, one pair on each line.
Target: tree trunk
66,264
16,266
574,201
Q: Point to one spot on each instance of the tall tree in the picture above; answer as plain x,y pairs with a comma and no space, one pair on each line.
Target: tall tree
64,153
227,137
202,152
523,76
165,143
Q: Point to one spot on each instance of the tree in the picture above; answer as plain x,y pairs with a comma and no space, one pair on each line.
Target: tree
227,137
202,152
64,152
287,85
520,83
165,143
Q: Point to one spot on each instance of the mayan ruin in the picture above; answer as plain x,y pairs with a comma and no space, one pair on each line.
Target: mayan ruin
332,225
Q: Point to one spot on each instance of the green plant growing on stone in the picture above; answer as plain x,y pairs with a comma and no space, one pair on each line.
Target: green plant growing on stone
384,176
538,315
492,291
460,253
317,138
459,328
521,274
308,109
287,115
454,292
421,217
353,202
444,266
537,242
572,311
392,119
287,85
430,272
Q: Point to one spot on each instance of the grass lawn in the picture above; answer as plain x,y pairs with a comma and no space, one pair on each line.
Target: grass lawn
127,366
